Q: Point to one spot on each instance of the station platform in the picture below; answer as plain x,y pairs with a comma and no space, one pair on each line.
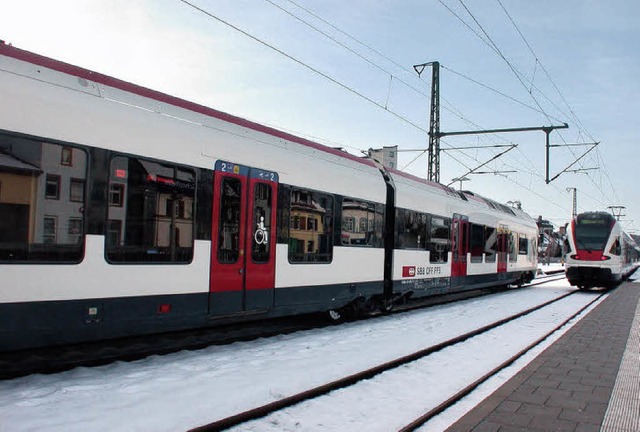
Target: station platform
588,380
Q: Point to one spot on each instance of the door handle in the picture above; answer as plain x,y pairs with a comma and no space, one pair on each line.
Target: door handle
241,271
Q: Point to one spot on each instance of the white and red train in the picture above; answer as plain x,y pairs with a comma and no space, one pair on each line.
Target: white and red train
126,211
601,254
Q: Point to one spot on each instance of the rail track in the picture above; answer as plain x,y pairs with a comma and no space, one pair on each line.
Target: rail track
59,359
357,378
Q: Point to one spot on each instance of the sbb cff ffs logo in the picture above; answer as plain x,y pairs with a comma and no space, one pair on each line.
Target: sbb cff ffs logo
408,271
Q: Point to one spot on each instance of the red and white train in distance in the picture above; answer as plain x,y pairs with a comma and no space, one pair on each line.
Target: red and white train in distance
601,254
126,211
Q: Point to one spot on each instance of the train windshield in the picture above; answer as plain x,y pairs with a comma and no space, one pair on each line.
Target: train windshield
592,233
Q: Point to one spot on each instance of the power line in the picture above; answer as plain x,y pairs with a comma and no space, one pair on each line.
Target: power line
387,58
489,42
300,62
369,61
344,46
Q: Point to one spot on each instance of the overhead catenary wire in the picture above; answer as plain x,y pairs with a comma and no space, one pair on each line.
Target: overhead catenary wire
454,110
300,62
491,44
562,97
377,52
326,76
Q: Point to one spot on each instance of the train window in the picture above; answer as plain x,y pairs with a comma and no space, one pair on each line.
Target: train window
262,194
513,247
229,225
412,229
490,244
310,230
152,219
477,243
37,222
523,245
616,249
361,224
439,239
592,231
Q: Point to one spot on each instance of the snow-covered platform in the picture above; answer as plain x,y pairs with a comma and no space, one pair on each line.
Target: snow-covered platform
588,380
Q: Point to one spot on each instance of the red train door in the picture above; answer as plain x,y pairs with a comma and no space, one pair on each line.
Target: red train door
243,239
460,245
502,248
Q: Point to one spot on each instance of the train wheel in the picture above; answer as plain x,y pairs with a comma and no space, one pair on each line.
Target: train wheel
387,307
335,315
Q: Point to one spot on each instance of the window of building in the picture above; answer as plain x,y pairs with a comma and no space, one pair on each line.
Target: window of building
52,187
49,230
76,190
361,225
33,218
142,226
74,229
412,229
66,156
315,245
477,243
116,194
439,239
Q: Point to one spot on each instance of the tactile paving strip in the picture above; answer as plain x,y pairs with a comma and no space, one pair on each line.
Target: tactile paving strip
623,412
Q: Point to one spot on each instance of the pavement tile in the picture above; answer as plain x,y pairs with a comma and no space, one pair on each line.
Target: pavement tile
513,418
508,406
539,410
581,416
485,426
551,423
587,427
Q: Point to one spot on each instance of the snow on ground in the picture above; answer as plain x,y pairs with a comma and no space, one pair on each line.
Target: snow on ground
393,399
188,389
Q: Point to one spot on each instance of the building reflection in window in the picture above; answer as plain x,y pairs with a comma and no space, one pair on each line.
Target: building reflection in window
150,217
311,220
41,200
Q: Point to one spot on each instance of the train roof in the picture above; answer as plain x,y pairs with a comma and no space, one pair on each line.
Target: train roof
66,68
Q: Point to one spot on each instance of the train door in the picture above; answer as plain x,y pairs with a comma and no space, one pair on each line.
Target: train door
243,239
502,248
460,245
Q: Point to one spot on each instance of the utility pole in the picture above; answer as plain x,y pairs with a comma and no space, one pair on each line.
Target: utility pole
433,171
574,208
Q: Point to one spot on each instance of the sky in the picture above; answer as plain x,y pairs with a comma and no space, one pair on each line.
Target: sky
192,388
341,73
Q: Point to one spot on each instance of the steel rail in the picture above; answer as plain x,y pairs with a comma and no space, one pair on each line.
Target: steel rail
468,389
272,407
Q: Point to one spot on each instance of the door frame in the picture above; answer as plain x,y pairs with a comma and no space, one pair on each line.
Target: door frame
243,284
460,244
